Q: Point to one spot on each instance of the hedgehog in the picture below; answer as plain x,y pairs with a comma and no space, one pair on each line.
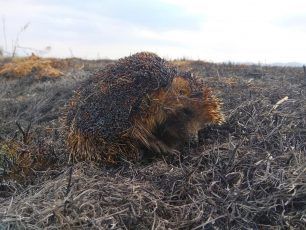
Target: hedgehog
139,104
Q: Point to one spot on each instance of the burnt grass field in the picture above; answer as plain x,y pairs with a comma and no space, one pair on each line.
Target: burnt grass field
249,173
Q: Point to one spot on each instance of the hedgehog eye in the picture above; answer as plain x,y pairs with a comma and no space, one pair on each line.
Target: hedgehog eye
187,111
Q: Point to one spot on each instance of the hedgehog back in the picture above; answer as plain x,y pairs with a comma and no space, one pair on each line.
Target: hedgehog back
105,103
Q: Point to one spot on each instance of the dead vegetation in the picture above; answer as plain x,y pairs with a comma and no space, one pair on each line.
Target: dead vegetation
248,173
42,68
33,65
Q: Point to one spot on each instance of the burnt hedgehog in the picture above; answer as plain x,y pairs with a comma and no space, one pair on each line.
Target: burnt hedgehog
140,103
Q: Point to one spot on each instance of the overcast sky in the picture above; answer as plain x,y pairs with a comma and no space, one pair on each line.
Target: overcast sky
263,31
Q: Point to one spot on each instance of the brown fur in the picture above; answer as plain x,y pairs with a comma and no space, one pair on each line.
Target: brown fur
174,116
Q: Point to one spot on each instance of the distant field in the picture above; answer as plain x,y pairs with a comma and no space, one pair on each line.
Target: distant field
249,172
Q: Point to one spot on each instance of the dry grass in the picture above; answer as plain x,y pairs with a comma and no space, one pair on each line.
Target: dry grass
249,173
38,67
33,65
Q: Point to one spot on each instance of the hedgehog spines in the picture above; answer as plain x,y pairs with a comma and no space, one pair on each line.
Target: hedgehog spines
121,109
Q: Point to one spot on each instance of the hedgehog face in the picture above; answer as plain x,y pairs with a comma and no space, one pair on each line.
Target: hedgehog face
182,126
196,112
175,129
204,109
193,125
175,116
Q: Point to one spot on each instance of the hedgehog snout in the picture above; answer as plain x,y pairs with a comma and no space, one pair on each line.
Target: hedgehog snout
194,138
